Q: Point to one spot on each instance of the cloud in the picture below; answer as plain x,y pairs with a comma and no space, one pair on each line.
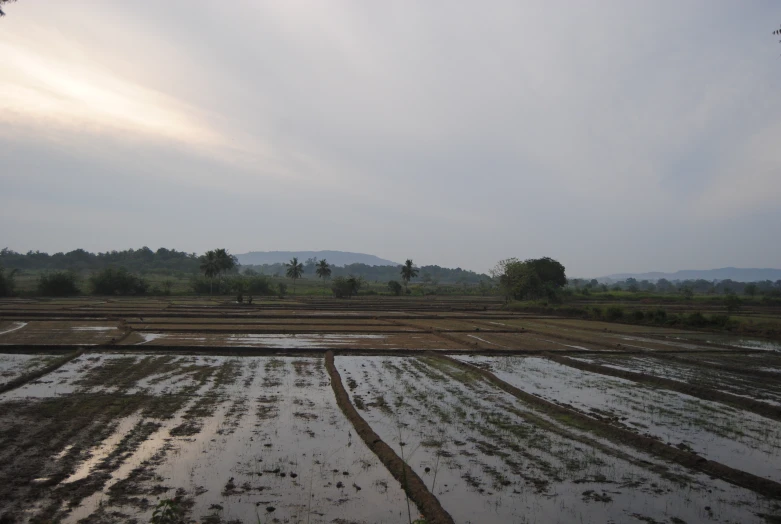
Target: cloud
616,136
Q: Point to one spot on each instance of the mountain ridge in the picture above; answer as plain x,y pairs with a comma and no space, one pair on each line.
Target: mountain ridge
725,273
335,258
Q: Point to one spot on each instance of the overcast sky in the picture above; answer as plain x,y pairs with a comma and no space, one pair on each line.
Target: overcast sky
613,136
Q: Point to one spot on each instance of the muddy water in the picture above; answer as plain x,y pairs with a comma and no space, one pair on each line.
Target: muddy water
734,378
491,459
14,365
275,341
271,444
739,439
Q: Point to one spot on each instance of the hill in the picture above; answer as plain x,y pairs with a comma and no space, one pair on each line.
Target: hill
335,258
726,273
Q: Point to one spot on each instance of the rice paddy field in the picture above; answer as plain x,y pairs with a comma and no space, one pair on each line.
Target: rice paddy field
378,411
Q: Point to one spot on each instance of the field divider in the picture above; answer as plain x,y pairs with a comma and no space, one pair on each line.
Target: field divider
410,482
763,486
754,406
24,379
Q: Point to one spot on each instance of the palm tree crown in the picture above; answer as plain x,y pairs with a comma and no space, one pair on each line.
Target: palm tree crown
294,270
323,269
210,266
408,271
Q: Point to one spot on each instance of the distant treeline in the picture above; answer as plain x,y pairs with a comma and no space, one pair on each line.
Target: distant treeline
138,260
171,262
700,286
426,274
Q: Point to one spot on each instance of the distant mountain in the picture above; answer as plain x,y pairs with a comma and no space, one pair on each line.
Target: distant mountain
335,258
737,274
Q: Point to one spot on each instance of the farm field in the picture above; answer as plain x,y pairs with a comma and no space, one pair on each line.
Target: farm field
373,410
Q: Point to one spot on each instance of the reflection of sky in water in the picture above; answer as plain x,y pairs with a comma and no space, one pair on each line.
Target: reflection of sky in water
709,428
494,457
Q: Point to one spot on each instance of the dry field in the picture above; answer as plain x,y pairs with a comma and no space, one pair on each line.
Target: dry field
378,410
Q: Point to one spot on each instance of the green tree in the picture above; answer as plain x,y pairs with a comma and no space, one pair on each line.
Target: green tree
225,261
408,272
751,289
58,284
117,281
294,270
733,302
323,272
395,287
531,279
210,266
7,283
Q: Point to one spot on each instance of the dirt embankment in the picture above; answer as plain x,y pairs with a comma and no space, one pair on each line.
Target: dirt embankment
410,481
754,406
24,379
577,419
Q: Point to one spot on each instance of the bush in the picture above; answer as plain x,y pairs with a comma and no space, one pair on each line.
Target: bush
282,289
614,313
696,319
596,312
720,320
638,316
344,287
732,302
395,287
659,315
7,283
117,281
200,285
58,284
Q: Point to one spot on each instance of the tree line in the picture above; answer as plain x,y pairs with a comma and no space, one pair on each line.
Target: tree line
687,288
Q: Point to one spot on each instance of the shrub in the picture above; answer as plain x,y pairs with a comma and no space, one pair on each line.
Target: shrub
7,283
638,316
117,281
696,319
344,287
614,313
732,302
200,285
395,287
659,315
282,289
720,320
58,284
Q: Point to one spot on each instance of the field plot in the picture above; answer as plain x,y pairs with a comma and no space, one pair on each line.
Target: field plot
365,340
59,332
741,376
490,458
609,336
727,435
233,438
13,366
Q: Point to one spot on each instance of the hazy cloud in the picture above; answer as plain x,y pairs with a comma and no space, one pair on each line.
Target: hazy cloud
614,136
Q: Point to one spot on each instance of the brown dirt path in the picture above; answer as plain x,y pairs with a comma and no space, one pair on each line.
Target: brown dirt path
650,445
411,483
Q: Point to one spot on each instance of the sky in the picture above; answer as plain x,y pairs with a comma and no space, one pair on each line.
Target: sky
612,136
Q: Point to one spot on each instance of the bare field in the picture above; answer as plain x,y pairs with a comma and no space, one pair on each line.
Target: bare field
109,406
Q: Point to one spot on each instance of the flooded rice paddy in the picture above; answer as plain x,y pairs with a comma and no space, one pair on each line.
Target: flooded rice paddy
230,411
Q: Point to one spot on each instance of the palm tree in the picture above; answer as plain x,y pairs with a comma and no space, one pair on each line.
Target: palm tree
211,267
225,261
294,270
323,271
408,272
